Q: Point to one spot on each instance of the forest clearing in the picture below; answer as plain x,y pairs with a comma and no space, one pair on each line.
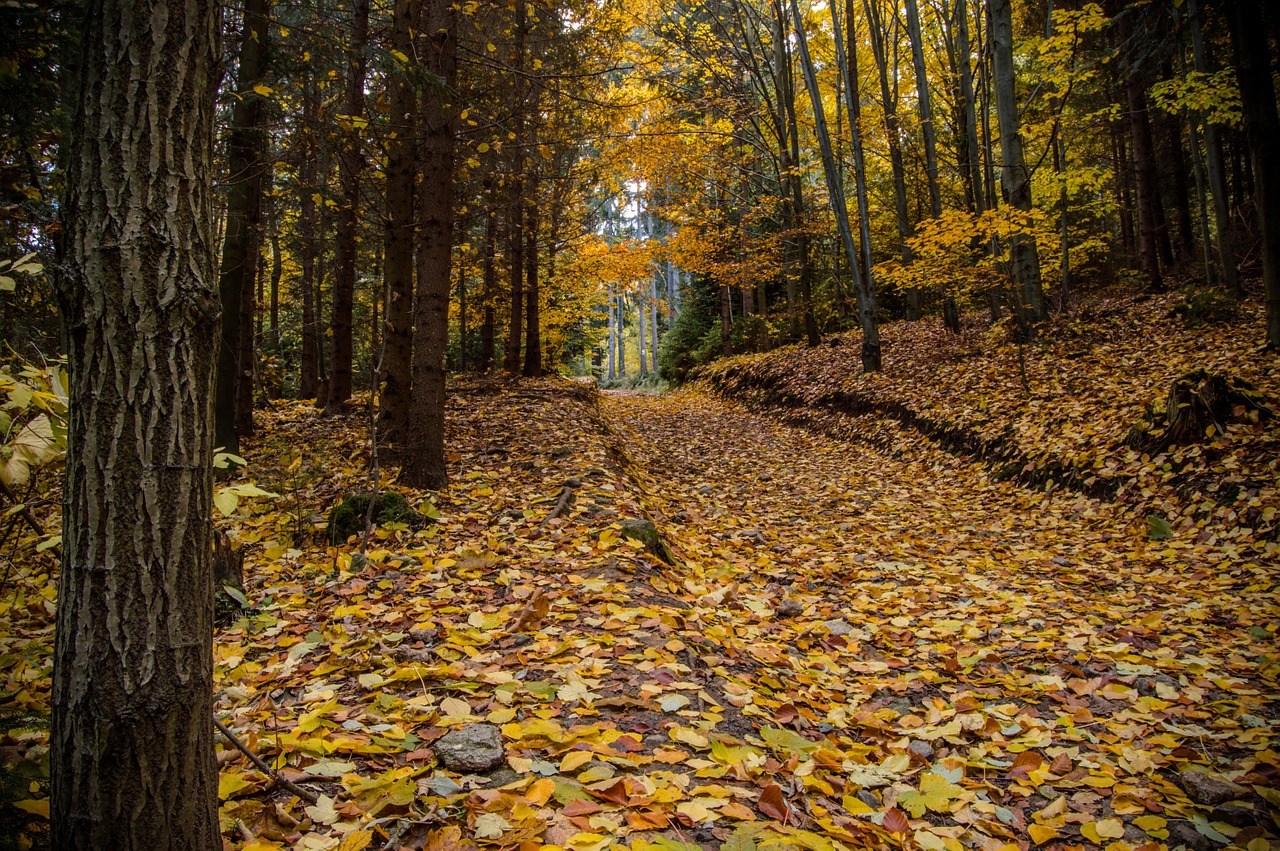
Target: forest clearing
570,425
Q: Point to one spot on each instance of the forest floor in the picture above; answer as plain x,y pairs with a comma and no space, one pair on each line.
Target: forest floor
835,643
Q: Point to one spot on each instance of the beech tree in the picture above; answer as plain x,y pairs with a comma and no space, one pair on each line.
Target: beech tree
132,743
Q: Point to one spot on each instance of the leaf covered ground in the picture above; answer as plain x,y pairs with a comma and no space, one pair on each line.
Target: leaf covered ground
832,645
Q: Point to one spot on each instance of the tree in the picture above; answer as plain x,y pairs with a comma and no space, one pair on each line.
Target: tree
132,746
1262,127
246,168
424,464
1015,179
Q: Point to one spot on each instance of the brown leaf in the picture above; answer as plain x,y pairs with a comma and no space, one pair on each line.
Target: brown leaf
895,820
772,804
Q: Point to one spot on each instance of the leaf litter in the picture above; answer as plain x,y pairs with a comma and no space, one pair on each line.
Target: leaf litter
845,648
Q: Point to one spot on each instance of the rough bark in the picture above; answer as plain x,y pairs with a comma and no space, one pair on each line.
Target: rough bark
424,463
1262,129
395,398
1147,182
132,745
246,156
350,166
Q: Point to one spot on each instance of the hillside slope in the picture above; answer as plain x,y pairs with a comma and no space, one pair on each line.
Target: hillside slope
1089,415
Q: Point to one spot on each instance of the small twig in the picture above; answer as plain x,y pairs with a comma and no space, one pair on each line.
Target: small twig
25,514
245,833
303,793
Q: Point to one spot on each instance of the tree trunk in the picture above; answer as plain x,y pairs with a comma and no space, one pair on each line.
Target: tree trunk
490,286
1144,168
835,188
1262,129
612,344
309,373
246,155
533,324
396,397
132,741
424,462
893,132
621,325
1213,168
350,166
1015,179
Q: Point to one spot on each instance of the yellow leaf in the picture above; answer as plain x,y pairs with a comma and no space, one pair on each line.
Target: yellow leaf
854,806
452,706
37,807
230,784
575,759
1041,834
265,91
540,792
1110,828
357,841
1150,823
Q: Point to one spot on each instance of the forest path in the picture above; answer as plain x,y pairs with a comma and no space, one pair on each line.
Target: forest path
1036,644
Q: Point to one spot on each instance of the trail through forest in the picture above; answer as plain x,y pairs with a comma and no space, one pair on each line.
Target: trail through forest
826,647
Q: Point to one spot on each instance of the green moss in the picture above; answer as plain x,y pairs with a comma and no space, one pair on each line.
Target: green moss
347,517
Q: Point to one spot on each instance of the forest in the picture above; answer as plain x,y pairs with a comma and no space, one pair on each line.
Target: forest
570,425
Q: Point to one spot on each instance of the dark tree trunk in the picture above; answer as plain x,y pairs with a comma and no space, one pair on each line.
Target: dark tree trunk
424,463
1147,180
533,329
132,761
397,269
309,374
490,286
350,165
246,164
1173,177
1262,129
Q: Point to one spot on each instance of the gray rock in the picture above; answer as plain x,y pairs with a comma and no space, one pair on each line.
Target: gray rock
838,626
1237,815
921,748
501,777
706,490
473,749
869,798
789,608
1183,834
1206,789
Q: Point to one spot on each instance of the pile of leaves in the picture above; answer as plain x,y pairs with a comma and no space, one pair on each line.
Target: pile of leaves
823,647
1083,406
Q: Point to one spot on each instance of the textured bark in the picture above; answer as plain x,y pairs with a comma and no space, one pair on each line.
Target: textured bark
397,269
1262,129
1015,180
350,166
424,463
246,164
1173,177
132,746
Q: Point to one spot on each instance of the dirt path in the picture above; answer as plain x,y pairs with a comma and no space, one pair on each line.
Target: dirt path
995,662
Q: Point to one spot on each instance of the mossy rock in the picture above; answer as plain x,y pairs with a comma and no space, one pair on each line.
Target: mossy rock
347,517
